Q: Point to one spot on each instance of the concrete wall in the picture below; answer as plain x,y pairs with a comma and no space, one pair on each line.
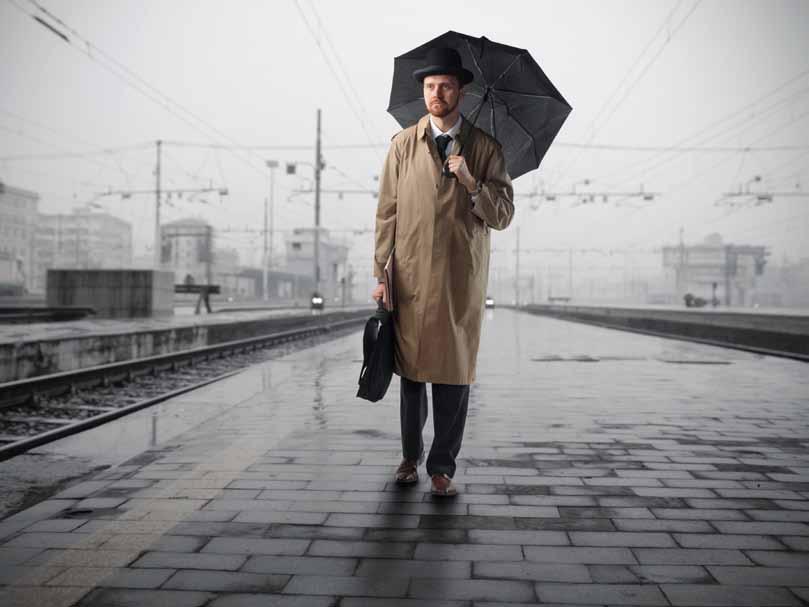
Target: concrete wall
37,357
780,334
113,293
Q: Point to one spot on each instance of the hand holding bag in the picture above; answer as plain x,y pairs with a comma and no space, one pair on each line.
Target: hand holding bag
377,345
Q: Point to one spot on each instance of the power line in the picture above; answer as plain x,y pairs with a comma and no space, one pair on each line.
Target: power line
704,133
361,119
637,79
131,78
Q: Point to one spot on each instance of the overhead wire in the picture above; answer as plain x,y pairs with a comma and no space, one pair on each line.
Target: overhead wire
638,78
352,104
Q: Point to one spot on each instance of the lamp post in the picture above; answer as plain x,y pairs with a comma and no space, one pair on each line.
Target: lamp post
272,165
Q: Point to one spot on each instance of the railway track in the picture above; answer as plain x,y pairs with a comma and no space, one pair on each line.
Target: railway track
40,410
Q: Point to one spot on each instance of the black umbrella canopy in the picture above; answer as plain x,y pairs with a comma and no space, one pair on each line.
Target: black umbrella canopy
511,98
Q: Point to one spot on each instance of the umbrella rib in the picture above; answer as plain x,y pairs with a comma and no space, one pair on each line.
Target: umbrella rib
512,64
519,123
475,61
532,95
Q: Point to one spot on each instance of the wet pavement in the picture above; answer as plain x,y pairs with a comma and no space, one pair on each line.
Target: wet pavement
598,468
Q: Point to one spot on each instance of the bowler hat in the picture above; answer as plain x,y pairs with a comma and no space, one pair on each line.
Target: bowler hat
444,60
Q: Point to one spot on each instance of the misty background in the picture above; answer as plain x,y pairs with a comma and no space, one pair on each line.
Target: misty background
676,103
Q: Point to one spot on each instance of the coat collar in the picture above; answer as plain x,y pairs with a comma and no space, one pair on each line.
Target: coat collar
423,129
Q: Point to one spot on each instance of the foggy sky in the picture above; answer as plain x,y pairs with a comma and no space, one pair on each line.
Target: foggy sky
254,72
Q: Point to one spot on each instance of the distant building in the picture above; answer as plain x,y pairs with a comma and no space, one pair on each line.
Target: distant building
18,218
188,249
300,256
731,271
785,285
80,240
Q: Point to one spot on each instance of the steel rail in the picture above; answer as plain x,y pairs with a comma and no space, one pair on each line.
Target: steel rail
31,389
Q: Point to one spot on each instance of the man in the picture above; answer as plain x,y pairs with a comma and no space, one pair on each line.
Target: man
443,186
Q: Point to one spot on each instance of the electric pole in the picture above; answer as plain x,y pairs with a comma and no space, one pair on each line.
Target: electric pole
517,272
570,274
317,206
267,258
157,247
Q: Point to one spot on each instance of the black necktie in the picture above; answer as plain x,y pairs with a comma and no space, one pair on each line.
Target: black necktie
442,142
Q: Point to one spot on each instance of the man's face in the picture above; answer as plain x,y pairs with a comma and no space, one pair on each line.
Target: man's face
442,94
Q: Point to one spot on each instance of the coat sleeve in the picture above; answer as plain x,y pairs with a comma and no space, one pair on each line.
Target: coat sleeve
495,202
386,210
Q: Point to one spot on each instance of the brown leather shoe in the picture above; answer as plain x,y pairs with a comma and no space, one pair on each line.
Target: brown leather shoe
407,472
443,486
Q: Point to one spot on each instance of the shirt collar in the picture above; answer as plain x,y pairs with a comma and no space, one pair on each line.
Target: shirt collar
452,132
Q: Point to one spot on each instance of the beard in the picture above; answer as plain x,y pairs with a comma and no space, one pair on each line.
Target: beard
442,109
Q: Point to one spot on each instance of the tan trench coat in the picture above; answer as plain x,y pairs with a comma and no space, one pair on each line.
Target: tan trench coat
441,250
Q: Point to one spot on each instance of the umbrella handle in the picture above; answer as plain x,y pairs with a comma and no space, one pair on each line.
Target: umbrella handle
445,169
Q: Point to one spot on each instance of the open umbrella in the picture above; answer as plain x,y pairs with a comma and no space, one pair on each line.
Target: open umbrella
510,98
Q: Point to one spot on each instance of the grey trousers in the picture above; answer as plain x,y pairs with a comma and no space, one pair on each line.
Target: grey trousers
450,404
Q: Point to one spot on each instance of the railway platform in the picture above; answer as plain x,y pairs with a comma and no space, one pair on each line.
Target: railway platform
599,468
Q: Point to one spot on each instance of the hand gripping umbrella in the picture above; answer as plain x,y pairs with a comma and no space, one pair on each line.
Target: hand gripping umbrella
510,98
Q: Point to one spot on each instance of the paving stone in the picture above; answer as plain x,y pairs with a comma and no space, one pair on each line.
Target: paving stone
779,515
700,514
83,558
565,524
725,504
383,568
291,518
684,526
532,571
553,500
705,595
417,508
230,529
12,596
112,577
114,597
249,545
45,540
23,575
373,520
579,554
226,581
334,585
301,565
182,560
315,532
716,540
55,525
759,576
457,536
477,590
611,574
270,600
620,538
163,543
428,521
689,556
762,528
468,552
636,501
16,556
674,492
362,549
671,574
760,494
614,594
522,537
565,512
796,543
521,511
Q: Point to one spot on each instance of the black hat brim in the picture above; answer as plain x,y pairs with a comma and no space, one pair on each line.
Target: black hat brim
463,74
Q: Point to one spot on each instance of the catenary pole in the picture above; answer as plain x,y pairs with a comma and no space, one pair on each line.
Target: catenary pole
317,206
157,251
